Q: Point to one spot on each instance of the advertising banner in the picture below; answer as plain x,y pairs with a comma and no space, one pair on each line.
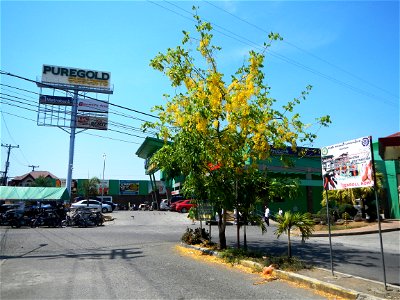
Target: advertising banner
90,122
75,77
347,165
160,187
103,187
128,187
92,105
55,100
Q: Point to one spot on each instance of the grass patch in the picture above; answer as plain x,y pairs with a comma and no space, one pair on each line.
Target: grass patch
234,256
349,225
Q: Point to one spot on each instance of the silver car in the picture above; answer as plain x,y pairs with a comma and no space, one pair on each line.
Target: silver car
92,204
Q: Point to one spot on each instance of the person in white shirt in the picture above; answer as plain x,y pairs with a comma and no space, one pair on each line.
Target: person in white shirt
266,215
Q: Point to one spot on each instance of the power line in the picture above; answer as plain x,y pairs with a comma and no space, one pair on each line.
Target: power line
126,133
247,42
52,113
67,90
104,137
12,139
303,50
111,111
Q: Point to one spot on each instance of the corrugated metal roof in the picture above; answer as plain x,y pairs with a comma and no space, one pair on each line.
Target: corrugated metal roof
33,193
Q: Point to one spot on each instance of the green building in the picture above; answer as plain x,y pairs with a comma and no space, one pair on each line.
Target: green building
307,169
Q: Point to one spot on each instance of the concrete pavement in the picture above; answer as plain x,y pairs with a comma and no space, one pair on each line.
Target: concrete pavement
336,283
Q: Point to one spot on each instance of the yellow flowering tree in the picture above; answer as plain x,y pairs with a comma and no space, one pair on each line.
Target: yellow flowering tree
220,127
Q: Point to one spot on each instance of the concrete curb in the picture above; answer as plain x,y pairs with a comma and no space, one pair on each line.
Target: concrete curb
298,278
353,232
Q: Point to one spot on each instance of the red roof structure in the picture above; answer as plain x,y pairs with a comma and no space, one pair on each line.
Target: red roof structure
389,147
27,178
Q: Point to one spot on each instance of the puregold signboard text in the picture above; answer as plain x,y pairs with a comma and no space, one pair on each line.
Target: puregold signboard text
75,77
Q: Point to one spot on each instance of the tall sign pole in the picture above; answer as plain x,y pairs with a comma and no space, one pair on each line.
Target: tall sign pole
72,141
378,215
329,230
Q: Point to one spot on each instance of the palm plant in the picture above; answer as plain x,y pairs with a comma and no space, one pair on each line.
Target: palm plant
90,187
290,221
42,181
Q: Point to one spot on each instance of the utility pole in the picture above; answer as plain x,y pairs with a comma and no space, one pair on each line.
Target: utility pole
33,167
4,181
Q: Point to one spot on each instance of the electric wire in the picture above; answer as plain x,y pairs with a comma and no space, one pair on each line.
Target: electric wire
80,94
12,139
303,50
87,133
117,124
247,42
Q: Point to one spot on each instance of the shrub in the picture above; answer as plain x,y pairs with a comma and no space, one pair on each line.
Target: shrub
285,263
196,236
332,215
234,255
347,208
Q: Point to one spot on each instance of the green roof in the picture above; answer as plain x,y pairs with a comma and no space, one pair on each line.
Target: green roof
149,147
33,193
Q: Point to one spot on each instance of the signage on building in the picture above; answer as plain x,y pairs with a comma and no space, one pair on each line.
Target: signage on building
128,187
55,100
347,165
75,77
92,105
299,151
90,122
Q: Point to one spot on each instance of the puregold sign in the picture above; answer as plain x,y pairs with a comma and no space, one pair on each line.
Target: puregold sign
75,76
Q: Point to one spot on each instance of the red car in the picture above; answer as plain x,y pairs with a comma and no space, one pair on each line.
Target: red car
184,206
173,205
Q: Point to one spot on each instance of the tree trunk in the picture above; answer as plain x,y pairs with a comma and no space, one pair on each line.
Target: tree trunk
244,237
289,244
221,229
236,217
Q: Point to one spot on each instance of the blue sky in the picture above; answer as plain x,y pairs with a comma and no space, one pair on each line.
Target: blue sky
347,50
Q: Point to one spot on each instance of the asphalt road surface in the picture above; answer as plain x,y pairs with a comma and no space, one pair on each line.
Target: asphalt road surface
129,258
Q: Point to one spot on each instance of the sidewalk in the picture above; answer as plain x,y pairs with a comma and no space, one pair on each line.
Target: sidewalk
386,225
343,284
339,284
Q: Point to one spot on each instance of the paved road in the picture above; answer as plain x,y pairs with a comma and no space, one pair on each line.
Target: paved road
131,258
356,255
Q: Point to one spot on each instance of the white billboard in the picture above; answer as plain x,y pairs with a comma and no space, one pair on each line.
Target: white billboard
347,165
75,77
92,105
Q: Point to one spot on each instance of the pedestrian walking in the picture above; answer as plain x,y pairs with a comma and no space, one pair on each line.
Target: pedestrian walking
266,215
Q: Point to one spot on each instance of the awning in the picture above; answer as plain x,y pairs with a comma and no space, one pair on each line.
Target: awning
21,193
389,147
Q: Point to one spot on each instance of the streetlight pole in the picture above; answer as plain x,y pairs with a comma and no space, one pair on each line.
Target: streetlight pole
104,167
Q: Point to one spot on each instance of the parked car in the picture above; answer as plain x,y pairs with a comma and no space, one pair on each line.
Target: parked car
113,205
144,206
107,200
164,204
92,204
173,205
6,207
184,206
175,199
